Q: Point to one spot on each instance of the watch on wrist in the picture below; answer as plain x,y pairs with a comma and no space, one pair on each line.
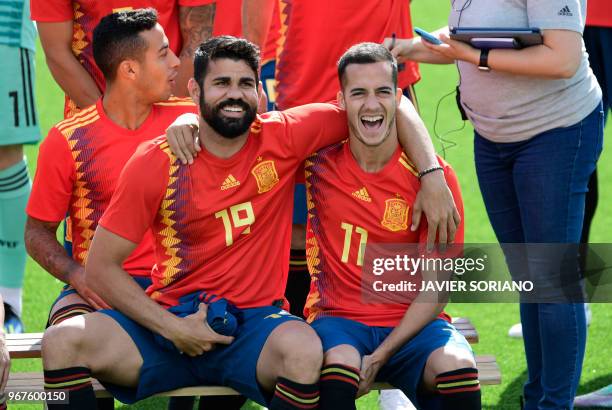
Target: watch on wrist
483,64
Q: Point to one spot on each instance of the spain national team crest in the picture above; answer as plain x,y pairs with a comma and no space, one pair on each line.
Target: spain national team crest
265,175
396,215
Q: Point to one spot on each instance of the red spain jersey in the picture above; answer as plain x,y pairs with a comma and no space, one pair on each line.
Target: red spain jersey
599,13
273,37
349,208
316,33
228,21
228,18
78,167
86,14
222,225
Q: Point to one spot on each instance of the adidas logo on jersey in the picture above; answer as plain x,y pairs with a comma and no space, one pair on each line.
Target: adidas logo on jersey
565,11
362,194
230,182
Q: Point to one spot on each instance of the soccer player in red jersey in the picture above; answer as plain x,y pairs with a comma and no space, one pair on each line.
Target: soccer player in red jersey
316,33
221,226
66,32
80,160
313,35
363,192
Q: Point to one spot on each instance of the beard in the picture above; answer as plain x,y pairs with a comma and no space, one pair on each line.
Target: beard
227,127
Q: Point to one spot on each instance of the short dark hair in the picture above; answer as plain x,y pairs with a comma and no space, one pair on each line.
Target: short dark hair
366,53
116,38
237,49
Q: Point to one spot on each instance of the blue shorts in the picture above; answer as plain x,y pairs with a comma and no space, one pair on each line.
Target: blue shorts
234,365
300,212
405,368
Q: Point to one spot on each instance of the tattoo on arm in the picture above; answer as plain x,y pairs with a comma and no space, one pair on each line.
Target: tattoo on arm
43,247
196,25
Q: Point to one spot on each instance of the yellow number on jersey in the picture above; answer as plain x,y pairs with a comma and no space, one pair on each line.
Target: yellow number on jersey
363,239
238,216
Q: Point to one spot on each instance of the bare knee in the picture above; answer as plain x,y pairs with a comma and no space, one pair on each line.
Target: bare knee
62,345
446,359
94,341
343,354
10,155
300,352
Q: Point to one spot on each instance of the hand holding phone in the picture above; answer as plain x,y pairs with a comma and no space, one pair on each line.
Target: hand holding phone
427,36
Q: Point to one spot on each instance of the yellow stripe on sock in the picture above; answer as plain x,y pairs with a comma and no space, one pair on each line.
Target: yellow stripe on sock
68,383
457,384
298,399
342,371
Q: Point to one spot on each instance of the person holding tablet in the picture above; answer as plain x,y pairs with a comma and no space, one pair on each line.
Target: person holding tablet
538,123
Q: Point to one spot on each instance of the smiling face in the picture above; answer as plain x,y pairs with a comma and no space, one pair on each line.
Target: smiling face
370,99
228,101
158,66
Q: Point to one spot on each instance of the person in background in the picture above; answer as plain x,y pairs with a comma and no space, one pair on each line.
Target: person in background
66,29
535,149
598,41
19,121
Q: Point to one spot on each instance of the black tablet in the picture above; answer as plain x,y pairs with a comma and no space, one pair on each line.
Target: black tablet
494,37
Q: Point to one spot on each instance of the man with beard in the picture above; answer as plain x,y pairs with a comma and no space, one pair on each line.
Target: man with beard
220,228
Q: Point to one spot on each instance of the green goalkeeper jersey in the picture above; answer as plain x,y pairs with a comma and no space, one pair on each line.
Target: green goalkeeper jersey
16,28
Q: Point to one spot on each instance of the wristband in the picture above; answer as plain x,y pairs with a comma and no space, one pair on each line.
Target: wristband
483,64
430,170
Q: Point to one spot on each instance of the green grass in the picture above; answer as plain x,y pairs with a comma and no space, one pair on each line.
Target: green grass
492,320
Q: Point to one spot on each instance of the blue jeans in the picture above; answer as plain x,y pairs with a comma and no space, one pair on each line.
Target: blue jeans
534,192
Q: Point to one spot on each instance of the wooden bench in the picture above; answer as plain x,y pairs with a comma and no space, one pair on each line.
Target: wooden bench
27,345
488,373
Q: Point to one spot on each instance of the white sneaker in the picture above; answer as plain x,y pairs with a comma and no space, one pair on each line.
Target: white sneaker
516,331
394,400
588,313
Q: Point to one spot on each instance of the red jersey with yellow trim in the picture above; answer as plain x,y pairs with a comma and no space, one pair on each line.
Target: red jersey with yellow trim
222,225
86,14
316,33
78,167
272,39
599,13
348,208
